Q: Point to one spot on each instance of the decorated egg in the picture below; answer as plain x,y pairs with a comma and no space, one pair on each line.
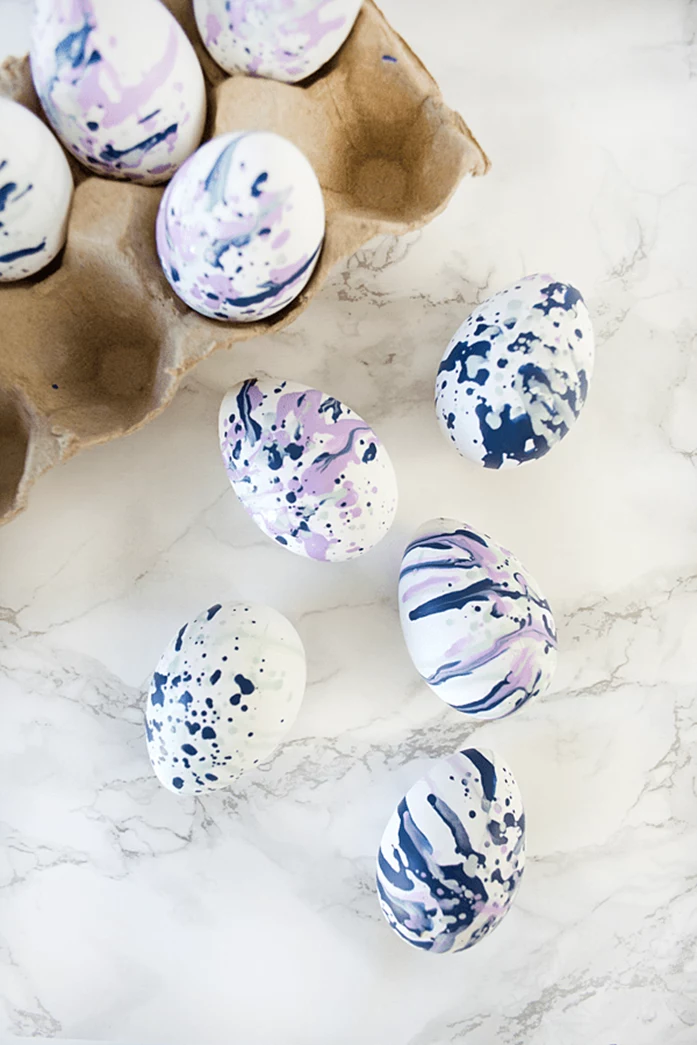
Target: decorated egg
36,189
120,83
475,623
224,694
311,473
241,226
282,39
453,853
515,376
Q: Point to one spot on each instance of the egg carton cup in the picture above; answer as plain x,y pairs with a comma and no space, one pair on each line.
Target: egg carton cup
96,345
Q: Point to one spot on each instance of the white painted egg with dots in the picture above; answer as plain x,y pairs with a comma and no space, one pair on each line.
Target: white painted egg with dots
241,226
284,40
452,855
224,694
120,84
313,475
36,190
515,376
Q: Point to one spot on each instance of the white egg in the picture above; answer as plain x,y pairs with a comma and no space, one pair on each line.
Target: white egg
241,226
120,83
225,692
515,376
453,854
311,473
282,39
36,189
475,623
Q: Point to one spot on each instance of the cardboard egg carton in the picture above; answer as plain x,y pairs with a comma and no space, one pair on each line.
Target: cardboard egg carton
96,345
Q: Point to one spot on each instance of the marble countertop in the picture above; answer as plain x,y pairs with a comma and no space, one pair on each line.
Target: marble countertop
132,915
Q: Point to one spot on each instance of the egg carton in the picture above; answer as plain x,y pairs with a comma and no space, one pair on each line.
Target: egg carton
96,345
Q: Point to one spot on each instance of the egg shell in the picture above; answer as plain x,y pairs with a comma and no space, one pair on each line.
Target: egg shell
475,623
453,853
225,692
36,190
311,473
282,39
515,376
241,226
120,83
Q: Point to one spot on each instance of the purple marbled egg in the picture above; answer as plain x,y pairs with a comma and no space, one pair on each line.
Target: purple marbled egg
475,622
311,473
282,39
241,226
120,83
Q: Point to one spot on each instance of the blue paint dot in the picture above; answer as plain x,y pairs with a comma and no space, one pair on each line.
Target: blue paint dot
158,696
177,782
258,182
245,684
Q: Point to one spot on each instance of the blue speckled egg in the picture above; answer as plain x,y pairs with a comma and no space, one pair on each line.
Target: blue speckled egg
475,622
453,853
225,692
515,376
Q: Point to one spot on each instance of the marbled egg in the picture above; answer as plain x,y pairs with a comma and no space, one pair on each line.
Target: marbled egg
311,473
282,39
515,376
225,692
241,226
453,853
36,189
476,625
120,83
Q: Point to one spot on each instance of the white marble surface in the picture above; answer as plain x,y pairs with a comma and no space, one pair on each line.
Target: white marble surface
129,914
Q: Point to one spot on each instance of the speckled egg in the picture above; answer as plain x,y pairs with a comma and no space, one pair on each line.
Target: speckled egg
475,623
36,189
241,226
225,692
282,39
120,83
452,856
515,376
311,473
